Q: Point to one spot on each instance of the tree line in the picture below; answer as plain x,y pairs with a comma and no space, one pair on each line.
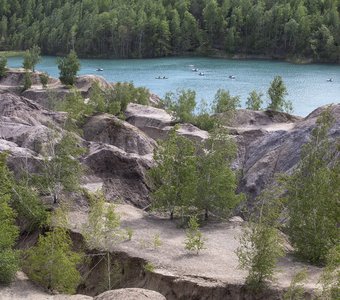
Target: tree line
147,28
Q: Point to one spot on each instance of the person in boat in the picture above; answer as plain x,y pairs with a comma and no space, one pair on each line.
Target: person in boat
330,80
201,74
100,69
195,70
232,77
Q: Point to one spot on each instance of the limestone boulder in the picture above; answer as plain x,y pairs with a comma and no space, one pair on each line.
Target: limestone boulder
130,294
108,129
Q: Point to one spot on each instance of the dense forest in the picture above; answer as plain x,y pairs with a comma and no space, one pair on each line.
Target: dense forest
153,28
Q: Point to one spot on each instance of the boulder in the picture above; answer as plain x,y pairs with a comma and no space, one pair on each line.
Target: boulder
156,123
130,294
123,174
108,129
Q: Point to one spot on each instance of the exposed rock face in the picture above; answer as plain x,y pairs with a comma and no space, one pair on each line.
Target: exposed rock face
123,174
108,129
156,123
130,294
277,149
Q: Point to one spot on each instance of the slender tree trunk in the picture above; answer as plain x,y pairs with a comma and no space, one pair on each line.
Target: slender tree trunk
206,214
171,215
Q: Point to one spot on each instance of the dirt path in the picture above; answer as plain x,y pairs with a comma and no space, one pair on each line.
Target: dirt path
218,261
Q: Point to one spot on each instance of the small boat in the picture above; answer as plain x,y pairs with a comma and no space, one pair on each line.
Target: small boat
194,70
232,77
201,74
159,77
100,70
330,80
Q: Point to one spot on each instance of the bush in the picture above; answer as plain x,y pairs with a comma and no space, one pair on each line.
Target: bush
3,66
194,239
224,102
52,262
44,79
277,93
182,104
254,101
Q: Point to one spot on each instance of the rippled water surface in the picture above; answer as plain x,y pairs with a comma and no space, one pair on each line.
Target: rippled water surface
307,85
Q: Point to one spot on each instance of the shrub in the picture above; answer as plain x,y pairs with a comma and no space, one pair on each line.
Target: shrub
3,66
44,79
254,101
194,239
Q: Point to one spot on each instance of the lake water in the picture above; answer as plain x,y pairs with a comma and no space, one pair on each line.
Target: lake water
307,84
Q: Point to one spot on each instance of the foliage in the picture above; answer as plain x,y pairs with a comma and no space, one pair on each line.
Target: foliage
204,119
330,278
69,67
149,267
8,230
52,262
146,28
31,58
313,192
296,290
182,104
260,243
157,242
3,66
217,183
122,94
194,239
27,81
277,93
224,102
76,108
103,226
174,177
254,101
44,79
60,169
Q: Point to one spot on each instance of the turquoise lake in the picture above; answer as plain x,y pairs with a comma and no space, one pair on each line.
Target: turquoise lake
307,85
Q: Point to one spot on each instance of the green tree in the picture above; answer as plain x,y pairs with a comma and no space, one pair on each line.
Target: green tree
181,104
3,66
102,230
260,243
224,102
27,81
313,192
9,232
44,79
174,177
52,262
296,290
277,93
68,67
217,182
254,101
330,277
31,58
60,169
194,239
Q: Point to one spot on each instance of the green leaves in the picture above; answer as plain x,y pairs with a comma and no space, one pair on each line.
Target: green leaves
194,239
68,67
52,263
187,177
277,93
313,192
